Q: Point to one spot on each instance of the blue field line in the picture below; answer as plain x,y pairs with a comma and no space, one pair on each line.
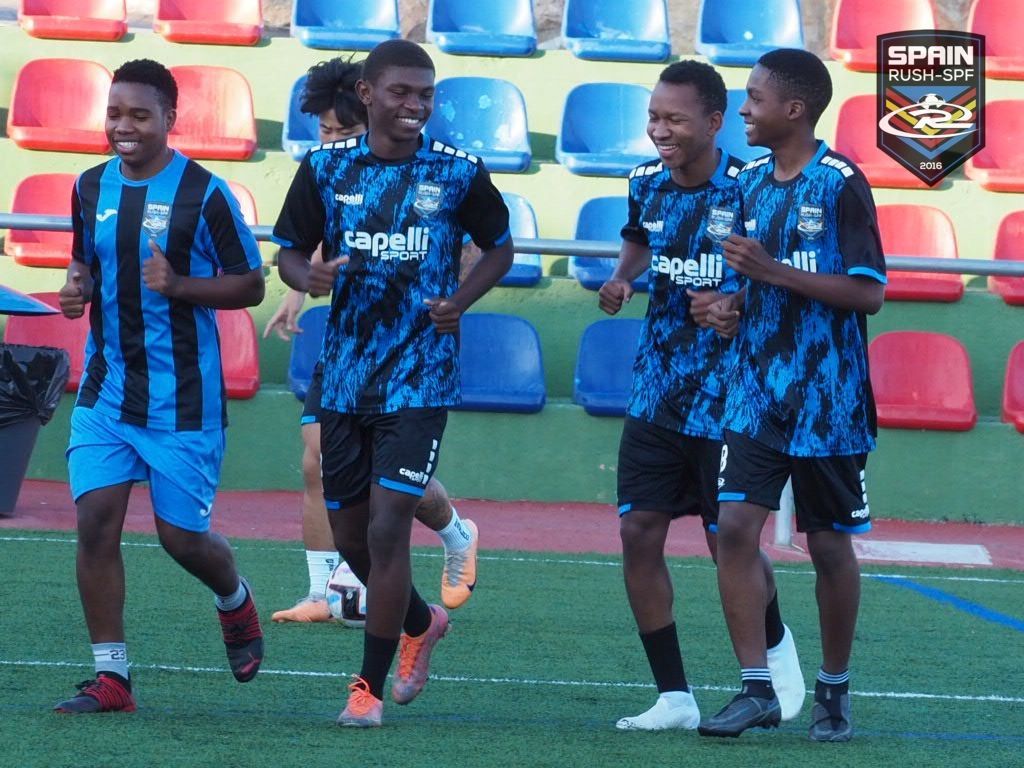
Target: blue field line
967,606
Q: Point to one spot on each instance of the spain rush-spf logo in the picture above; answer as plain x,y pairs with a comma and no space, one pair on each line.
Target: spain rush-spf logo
931,93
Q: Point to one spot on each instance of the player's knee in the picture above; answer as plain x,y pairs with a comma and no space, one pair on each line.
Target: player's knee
831,552
385,537
637,535
735,531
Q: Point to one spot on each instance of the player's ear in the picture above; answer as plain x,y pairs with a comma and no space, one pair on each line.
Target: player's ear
797,109
363,91
715,120
170,118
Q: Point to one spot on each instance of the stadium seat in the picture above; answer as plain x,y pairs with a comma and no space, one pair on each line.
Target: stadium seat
855,138
306,348
856,25
999,167
215,114
1013,389
604,366
618,30
919,230
500,359
612,145
1010,247
474,28
52,331
733,135
1001,22
60,105
526,267
600,218
352,25
74,19
227,22
239,353
300,131
736,33
922,380
484,116
47,194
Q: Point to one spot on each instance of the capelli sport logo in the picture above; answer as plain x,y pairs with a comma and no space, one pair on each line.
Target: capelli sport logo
931,95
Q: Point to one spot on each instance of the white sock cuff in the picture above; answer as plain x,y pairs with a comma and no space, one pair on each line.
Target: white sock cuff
110,657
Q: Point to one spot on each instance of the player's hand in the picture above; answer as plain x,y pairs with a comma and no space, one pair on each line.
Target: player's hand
323,274
748,257
700,303
724,316
157,272
613,294
284,320
72,297
444,314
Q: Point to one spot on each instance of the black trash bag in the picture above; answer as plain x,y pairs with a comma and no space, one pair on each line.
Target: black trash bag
32,380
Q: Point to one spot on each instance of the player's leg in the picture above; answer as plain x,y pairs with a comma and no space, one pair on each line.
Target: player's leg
460,539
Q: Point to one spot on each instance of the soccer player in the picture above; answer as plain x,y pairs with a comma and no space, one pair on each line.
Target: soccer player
799,402
330,95
681,208
159,245
391,208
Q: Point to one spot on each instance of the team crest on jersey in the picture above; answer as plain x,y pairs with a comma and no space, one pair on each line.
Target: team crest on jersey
156,218
720,223
810,222
428,199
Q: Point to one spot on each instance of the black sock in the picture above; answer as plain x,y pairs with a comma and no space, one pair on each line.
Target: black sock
756,681
662,647
378,653
418,617
773,629
126,682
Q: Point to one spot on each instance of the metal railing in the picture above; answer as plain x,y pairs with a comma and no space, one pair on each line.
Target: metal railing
598,249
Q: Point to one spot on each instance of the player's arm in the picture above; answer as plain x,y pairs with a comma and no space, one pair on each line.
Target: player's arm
77,289
634,260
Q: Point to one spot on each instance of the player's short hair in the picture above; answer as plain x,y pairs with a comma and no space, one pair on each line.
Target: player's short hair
703,77
332,85
149,72
800,75
395,53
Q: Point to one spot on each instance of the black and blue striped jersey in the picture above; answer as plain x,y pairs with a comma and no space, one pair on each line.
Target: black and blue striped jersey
151,360
401,224
679,377
801,383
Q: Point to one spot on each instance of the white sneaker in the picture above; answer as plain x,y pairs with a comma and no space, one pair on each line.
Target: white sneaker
787,678
674,709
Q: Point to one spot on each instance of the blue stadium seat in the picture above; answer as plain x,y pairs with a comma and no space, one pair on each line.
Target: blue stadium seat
301,131
484,116
735,33
501,364
621,30
604,129
604,366
474,28
306,349
733,136
601,218
352,25
526,269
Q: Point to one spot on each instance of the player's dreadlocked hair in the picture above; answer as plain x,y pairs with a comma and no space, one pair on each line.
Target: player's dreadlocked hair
802,76
149,72
332,85
395,53
703,77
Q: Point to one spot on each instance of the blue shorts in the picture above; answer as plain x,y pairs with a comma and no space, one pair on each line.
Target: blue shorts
183,468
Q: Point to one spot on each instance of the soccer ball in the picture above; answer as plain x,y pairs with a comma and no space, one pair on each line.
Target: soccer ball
346,596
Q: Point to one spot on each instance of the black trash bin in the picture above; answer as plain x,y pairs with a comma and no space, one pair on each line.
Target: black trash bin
31,382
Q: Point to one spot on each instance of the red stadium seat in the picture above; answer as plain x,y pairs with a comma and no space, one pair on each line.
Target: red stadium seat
919,230
922,380
239,353
215,114
52,331
245,201
1010,247
46,194
857,23
1013,390
229,22
855,138
999,167
73,19
60,104
1001,22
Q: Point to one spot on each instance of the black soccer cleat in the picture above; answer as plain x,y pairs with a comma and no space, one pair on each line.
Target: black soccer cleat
741,713
243,638
830,716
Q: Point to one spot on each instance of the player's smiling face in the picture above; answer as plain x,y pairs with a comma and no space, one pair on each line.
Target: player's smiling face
766,114
398,105
679,126
137,125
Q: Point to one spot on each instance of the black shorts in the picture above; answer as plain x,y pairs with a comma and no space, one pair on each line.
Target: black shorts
398,451
828,491
311,411
661,470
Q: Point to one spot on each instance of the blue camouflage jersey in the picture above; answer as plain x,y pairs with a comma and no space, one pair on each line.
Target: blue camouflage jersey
150,360
679,377
401,223
801,383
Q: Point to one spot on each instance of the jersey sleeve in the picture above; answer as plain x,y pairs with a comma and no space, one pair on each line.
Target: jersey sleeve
300,225
859,240
633,230
483,213
81,250
234,247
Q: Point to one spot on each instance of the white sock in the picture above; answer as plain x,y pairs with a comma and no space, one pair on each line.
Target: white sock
676,698
111,657
455,536
231,602
320,564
